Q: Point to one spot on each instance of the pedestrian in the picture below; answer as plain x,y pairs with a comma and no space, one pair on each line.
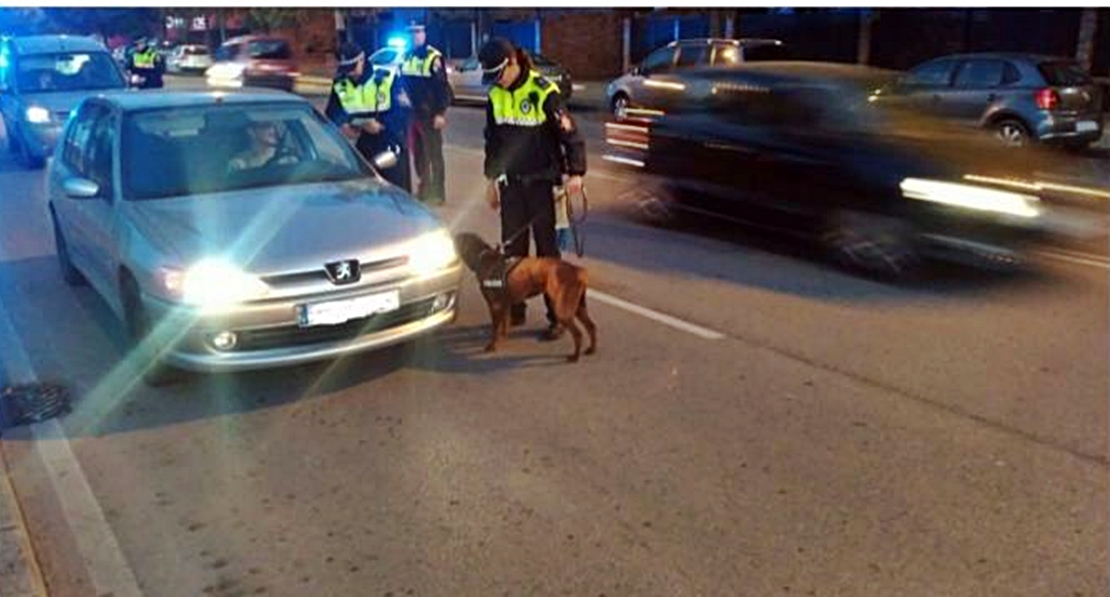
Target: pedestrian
425,76
370,107
531,143
147,64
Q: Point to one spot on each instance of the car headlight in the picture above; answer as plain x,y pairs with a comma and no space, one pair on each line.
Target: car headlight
971,197
212,283
37,115
432,252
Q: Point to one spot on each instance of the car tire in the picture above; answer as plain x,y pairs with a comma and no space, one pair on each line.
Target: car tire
70,274
155,373
878,246
1011,132
10,138
620,105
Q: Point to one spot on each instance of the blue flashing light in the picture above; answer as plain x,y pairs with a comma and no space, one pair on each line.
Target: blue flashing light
397,42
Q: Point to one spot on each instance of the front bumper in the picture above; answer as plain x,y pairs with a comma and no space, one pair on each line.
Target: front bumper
269,335
40,139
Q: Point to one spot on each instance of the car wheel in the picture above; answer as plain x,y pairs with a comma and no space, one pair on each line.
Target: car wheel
1011,133
620,106
155,373
9,133
877,245
70,274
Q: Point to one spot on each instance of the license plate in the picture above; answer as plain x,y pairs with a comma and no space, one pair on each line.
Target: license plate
1086,126
337,312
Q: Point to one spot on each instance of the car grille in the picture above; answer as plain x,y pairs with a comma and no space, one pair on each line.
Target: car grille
320,274
297,336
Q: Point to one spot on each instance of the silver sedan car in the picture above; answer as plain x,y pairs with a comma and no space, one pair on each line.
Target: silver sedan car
240,231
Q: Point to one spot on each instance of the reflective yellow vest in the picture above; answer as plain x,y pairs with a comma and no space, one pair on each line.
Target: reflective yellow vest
415,66
372,97
522,106
145,59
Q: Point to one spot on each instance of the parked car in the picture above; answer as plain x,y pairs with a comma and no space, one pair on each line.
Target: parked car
254,61
1021,97
221,258
389,57
191,58
42,79
799,148
649,88
466,78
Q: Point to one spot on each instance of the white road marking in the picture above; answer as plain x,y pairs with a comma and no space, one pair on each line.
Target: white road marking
104,560
663,318
1077,258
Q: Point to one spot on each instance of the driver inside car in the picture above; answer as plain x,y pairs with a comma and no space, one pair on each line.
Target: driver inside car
263,149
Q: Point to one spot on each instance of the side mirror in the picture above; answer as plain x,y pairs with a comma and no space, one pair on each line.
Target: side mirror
80,188
385,160
635,72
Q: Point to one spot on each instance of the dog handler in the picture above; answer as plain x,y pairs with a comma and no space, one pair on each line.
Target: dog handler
531,142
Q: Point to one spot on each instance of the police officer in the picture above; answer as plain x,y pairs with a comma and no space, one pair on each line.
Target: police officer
146,63
370,106
425,77
531,142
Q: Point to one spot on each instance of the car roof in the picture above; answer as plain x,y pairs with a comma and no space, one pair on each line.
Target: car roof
50,44
743,41
129,101
1018,56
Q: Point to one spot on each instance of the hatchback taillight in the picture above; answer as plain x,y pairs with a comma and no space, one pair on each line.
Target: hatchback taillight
1048,99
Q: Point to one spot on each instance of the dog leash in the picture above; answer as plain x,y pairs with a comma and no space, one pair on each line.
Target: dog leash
575,223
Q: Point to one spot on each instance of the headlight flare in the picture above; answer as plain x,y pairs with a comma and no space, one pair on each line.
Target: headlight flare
432,252
37,115
971,197
210,283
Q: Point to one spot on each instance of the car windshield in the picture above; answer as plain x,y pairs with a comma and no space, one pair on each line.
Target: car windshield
541,60
215,149
763,52
1063,73
44,73
269,49
384,57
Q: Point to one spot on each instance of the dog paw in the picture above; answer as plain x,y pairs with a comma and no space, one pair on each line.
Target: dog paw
491,348
572,358
591,350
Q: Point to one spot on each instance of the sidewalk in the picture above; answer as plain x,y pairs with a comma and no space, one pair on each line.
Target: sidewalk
19,570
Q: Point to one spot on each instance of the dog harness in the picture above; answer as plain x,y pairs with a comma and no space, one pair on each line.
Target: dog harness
496,277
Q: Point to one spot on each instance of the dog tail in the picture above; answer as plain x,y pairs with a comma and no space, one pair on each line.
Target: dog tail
584,283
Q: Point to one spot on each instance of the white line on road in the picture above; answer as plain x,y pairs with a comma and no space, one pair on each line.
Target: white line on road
104,560
1078,258
663,318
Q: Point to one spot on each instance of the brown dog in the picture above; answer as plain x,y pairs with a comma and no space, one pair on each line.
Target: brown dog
505,282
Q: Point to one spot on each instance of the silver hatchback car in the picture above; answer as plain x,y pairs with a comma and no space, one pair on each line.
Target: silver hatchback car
239,231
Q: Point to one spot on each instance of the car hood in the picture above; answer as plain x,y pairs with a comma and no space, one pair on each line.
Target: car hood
285,230
60,101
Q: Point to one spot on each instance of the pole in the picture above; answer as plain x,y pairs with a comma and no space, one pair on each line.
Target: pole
626,44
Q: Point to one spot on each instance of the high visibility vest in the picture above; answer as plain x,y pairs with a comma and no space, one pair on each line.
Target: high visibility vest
522,106
145,59
372,97
415,66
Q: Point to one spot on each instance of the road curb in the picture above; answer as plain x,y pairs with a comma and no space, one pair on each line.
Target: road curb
20,575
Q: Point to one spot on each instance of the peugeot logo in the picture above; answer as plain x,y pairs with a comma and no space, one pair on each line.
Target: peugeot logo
343,272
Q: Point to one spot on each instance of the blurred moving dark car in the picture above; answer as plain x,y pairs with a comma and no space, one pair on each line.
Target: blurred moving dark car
648,89
466,78
1020,97
799,147
254,61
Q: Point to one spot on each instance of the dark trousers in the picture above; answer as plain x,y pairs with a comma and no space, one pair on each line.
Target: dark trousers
524,206
371,145
427,153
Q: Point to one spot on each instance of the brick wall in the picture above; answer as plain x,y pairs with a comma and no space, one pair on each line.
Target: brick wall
588,44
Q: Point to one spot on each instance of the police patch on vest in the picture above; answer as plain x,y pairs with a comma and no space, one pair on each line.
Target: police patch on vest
525,107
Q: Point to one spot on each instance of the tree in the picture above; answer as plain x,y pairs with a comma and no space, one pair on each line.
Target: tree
270,19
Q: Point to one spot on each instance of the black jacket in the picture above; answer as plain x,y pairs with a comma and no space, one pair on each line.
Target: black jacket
395,119
539,153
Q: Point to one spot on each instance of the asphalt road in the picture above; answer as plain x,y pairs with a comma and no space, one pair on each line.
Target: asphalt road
767,426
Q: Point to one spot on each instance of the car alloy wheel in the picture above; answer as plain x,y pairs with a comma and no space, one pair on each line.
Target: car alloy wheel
1011,133
878,245
620,106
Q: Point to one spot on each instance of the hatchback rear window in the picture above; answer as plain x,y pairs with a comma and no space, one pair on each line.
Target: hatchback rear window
270,50
1063,73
